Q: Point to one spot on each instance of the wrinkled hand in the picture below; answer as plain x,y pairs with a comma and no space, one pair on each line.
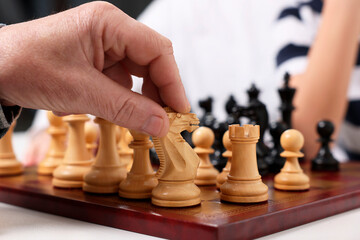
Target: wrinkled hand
81,61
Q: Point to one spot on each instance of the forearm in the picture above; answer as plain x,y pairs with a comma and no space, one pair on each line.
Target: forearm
322,88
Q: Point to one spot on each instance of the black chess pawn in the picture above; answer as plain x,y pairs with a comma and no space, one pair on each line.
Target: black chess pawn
259,116
325,161
208,119
287,95
275,161
216,158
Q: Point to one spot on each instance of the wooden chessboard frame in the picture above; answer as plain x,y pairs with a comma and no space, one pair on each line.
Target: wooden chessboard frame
331,193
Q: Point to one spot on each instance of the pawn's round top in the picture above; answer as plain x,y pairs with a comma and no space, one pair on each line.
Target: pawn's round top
325,129
292,141
203,137
91,132
226,141
54,120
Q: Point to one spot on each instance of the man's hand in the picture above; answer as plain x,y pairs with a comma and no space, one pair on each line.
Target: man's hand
81,61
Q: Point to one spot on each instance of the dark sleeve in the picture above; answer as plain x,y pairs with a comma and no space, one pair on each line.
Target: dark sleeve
7,116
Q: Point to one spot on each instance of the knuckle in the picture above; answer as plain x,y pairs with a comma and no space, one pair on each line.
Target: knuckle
123,111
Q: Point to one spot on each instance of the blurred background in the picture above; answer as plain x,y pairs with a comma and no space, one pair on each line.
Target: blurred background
15,11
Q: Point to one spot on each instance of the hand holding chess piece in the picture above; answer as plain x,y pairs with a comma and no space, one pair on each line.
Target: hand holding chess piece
291,176
325,161
203,138
178,164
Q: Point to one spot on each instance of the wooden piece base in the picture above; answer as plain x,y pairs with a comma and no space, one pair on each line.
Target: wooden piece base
137,186
330,193
15,168
175,194
48,167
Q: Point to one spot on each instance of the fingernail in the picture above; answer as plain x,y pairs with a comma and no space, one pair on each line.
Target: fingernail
153,125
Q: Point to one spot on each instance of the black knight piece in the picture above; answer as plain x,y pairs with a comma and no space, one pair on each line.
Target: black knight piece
325,161
287,94
208,119
233,115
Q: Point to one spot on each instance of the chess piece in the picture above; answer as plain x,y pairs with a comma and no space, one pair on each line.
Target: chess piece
291,176
244,183
107,171
141,180
325,161
208,119
274,159
260,117
91,134
70,173
217,159
203,138
9,165
287,94
56,151
178,164
222,177
125,153
230,107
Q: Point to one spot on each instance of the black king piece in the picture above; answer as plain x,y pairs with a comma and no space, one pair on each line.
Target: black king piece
287,94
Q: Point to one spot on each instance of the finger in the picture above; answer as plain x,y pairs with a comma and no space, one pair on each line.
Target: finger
150,90
60,114
135,69
113,102
144,46
119,74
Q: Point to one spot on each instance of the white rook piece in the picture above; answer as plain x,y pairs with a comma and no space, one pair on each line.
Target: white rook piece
244,183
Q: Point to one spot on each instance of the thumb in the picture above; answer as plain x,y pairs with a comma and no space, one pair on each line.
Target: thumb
117,104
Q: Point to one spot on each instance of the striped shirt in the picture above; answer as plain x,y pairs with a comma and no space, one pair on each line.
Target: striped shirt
296,29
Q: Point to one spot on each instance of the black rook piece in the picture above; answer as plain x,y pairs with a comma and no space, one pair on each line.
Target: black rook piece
325,161
287,94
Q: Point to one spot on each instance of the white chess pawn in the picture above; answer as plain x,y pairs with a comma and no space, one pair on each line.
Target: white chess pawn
91,135
107,171
56,152
9,165
70,173
141,179
203,138
291,176
222,177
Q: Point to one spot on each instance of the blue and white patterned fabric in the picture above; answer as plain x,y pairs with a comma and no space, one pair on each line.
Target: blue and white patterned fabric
296,29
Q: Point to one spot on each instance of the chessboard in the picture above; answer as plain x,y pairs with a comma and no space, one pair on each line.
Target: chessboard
330,193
